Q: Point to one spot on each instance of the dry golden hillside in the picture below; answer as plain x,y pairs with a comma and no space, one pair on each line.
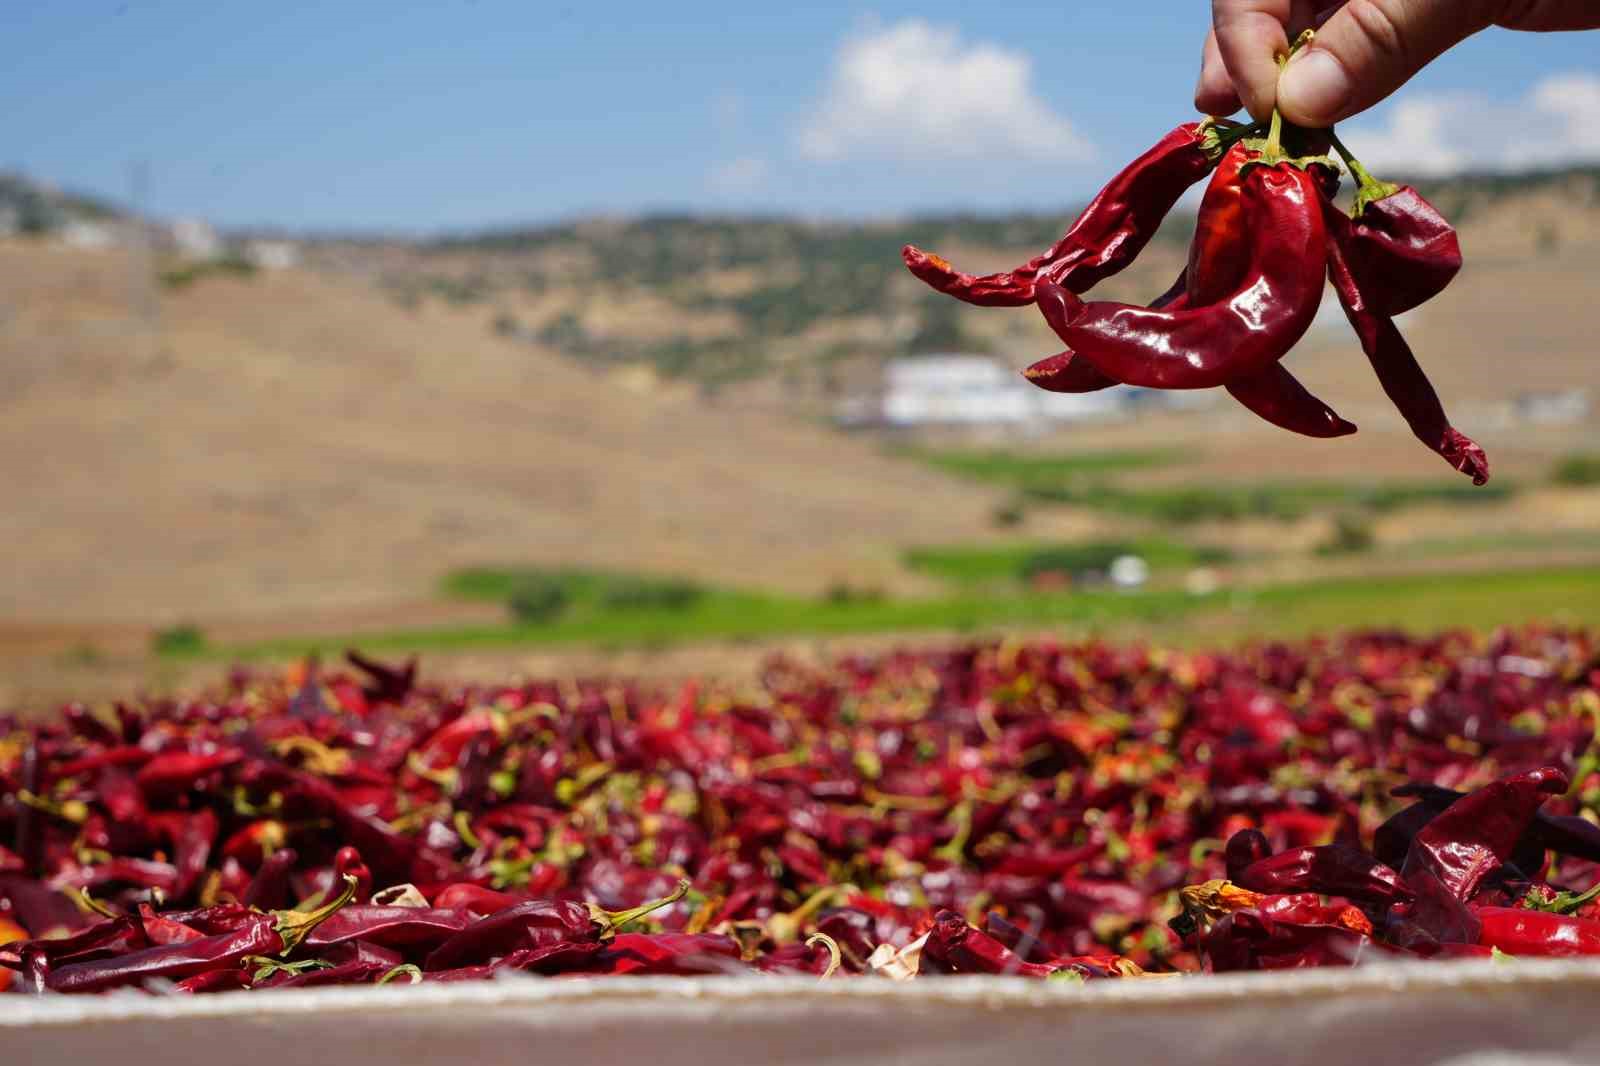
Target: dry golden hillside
295,442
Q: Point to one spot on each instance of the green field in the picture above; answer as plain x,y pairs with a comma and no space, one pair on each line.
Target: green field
1431,602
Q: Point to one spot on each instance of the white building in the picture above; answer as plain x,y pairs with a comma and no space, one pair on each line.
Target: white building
1563,407
81,233
196,239
977,390
272,255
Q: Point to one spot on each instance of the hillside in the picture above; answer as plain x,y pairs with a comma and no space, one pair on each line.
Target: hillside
314,449
294,441
724,302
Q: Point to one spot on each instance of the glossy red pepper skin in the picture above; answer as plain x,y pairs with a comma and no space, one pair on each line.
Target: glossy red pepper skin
533,924
955,947
1402,378
1400,250
176,771
1478,833
1330,869
228,980
1517,931
668,953
171,961
1244,332
390,927
1252,940
475,898
1110,233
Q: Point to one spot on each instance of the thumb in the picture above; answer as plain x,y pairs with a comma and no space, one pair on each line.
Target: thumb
1366,51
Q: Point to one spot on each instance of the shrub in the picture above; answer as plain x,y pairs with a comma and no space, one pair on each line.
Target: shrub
178,640
1351,535
636,594
538,598
1578,469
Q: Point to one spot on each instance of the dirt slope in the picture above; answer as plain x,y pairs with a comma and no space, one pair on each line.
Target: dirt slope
296,442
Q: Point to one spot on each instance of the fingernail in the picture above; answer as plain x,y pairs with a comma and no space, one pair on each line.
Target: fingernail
1314,87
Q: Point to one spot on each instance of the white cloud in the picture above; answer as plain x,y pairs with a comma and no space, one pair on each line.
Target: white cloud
917,92
744,174
1428,135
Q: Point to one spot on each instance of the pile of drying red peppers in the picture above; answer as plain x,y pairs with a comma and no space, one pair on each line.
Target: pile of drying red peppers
1072,812
1267,230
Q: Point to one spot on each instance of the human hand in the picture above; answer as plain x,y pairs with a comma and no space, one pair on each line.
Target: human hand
1364,49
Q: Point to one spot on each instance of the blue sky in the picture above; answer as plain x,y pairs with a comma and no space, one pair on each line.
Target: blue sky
423,116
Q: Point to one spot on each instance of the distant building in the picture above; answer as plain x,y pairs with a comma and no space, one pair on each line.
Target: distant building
272,255
953,389
10,220
81,233
1562,407
195,239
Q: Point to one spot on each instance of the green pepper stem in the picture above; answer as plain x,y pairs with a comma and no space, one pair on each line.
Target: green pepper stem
611,921
294,926
1369,189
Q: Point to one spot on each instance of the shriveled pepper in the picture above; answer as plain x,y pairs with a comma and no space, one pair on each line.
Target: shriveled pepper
1110,233
1478,833
1241,333
273,933
536,924
1402,378
1399,249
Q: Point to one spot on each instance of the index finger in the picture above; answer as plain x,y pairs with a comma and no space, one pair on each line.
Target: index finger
1251,34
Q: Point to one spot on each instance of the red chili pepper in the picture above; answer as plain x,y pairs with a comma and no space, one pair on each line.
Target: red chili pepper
269,889
561,956
190,837
176,771
276,933
1400,251
159,929
1109,235
1242,333
955,947
668,953
1479,832
1331,869
1517,931
354,963
415,928
475,898
228,980
1403,380
536,924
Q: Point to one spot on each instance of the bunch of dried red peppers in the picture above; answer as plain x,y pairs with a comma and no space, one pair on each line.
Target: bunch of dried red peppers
1043,810
1268,229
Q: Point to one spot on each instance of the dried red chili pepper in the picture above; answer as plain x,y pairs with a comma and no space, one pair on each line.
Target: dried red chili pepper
1402,378
1477,834
275,933
1109,235
955,947
667,953
1399,250
229,980
412,928
1240,334
1331,869
1518,931
537,924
